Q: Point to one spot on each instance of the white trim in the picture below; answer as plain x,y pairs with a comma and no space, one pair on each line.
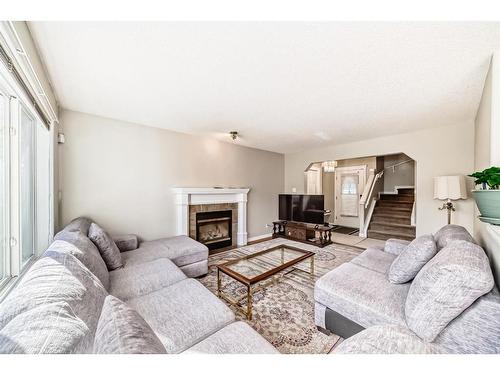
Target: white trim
364,232
413,220
184,197
260,237
16,49
396,189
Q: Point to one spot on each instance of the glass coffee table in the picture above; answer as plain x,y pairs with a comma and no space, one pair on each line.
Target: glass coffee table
258,270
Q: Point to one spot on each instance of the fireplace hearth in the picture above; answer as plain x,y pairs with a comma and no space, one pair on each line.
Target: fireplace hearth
214,228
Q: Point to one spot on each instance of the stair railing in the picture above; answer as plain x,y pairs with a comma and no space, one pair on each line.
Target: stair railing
373,187
393,167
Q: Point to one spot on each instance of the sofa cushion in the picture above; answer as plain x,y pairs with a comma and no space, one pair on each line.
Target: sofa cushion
236,338
362,295
411,260
387,339
448,284
143,278
108,249
395,246
195,269
50,328
182,314
374,259
126,242
449,233
80,224
182,250
81,247
476,330
121,330
56,278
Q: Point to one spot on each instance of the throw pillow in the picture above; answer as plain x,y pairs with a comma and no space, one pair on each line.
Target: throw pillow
447,285
121,330
450,233
108,249
411,260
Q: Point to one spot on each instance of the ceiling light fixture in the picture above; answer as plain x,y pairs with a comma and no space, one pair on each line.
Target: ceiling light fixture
234,135
329,166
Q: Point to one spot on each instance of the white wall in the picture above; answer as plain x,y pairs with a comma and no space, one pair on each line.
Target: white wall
487,153
403,175
437,151
121,174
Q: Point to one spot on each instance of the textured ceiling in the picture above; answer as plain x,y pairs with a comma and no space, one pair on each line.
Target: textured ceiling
284,86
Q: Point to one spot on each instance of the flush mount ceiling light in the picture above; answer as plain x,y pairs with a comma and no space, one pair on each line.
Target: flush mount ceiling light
234,135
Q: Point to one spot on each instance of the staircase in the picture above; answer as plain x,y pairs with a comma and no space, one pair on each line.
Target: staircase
392,216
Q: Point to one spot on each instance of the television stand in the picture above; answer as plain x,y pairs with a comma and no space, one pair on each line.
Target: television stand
312,234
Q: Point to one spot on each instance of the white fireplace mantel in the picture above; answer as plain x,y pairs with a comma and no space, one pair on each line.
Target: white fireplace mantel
184,197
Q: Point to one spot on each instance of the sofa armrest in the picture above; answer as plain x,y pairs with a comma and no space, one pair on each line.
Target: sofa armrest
395,246
126,242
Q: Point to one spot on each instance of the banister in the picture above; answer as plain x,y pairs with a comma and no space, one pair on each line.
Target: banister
367,203
377,177
393,167
366,190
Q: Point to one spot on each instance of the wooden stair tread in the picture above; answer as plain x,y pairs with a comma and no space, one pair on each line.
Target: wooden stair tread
389,210
388,223
395,201
389,215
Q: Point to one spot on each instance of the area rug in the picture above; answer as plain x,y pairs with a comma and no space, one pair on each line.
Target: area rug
344,230
284,312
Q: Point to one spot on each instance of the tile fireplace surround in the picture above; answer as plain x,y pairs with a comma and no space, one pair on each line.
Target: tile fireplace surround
186,197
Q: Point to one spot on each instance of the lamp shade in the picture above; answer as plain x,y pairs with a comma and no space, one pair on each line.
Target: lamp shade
450,187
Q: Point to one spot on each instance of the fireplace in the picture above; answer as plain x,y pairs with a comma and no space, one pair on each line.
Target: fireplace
214,228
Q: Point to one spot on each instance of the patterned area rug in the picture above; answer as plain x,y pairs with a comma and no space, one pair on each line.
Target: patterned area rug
284,312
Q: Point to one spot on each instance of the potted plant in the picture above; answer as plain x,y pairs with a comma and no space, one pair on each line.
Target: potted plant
487,197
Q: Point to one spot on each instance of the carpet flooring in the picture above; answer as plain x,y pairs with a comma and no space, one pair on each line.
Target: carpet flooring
284,312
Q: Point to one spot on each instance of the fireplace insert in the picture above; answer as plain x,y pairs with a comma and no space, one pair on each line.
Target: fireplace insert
214,228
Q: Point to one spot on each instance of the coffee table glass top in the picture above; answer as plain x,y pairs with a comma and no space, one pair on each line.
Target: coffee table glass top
256,266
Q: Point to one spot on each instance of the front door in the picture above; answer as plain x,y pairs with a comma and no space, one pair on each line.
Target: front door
349,185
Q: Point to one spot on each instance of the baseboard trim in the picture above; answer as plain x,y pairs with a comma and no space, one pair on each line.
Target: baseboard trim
262,237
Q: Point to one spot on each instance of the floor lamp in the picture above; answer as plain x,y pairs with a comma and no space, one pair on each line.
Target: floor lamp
449,188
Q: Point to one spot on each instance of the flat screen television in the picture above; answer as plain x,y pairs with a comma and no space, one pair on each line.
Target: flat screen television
302,208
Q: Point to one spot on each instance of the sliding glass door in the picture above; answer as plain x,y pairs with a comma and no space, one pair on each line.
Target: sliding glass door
27,183
3,186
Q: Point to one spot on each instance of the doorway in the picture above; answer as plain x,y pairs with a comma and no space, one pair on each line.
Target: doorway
349,185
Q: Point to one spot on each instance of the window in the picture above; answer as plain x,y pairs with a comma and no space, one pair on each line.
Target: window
25,199
27,184
3,193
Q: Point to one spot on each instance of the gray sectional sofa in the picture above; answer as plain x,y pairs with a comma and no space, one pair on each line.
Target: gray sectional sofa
68,302
451,305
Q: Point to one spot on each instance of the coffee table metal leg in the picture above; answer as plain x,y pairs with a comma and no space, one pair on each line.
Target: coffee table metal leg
312,267
249,302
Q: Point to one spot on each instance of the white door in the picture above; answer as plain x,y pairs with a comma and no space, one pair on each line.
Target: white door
349,185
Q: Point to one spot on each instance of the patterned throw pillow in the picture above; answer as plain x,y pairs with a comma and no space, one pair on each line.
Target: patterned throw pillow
448,284
108,249
411,260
